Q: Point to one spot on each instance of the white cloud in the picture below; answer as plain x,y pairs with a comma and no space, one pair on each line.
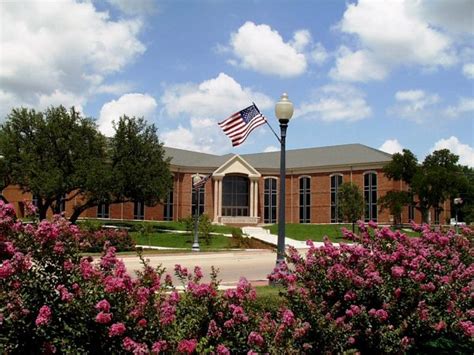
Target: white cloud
336,103
454,16
414,105
119,88
215,98
357,66
468,70
59,48
391,146
465,105
135,7
390,34
57,98
204,105
465,152
319,54
138,105
262,49
271,148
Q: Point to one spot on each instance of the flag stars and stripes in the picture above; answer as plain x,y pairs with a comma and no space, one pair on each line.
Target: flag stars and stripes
239,125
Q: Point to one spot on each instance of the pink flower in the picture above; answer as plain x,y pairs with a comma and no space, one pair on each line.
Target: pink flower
116,329
440,326
58,248
288,317
6,269
44,316
255,338
142,323
103,305
222,350
187,346
159,346
103,318
467,327
381,314
398,271
198,272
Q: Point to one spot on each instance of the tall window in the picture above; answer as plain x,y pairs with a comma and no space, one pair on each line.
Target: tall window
411,213
198,202
103,210
305,200
235,196
60,206
270,200
336,181
168,207
139,210
370,196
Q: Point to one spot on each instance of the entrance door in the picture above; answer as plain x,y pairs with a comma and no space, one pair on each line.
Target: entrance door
270,201
235,196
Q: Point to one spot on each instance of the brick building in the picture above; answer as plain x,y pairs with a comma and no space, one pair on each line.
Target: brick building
243,189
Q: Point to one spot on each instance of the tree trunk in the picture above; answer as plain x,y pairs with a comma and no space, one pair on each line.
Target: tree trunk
78,209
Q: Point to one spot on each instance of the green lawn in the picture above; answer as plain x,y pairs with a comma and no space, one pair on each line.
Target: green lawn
315,232
156,225
175,240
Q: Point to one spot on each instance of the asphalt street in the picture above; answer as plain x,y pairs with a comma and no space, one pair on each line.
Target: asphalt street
253,265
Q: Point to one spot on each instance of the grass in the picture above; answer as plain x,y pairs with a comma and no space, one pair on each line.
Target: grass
268,299
180,241
156,225
315,232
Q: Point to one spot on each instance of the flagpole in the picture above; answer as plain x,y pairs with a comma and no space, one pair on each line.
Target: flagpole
268,124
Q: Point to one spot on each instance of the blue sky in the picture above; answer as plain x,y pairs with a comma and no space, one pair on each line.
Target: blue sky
388,74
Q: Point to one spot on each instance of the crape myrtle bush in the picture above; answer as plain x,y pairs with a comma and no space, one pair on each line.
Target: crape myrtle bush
385,294
94,241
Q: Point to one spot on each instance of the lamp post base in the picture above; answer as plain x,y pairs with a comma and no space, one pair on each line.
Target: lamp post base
195,247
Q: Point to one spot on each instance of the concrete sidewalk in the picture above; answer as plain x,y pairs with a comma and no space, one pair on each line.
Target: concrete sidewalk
265,236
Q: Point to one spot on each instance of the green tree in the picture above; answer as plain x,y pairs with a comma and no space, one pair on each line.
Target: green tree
50,153
351,203
466,209
394,201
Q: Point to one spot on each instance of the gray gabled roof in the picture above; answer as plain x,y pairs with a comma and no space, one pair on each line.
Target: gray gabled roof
338,155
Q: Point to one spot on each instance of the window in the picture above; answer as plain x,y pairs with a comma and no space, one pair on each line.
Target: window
411,213
198,200
336,181
305,200
270,200
168,207
60,205
370,196
103,210
235,196
139,210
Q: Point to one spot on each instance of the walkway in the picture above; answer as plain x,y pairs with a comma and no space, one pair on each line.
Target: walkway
265,236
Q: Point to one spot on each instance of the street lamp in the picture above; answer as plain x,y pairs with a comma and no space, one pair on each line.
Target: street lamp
284,112
196,180
457,201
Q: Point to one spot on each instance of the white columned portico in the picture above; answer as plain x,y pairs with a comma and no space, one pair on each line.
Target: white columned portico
251,198
217,197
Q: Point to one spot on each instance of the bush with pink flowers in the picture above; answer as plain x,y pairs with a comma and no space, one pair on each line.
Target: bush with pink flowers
386,293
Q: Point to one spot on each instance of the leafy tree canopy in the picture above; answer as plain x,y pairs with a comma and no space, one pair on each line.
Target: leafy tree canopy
351,202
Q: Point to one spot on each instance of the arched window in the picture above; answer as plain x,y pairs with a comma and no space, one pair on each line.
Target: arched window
270,200
235,195
305,199
336,181
370,196
168,207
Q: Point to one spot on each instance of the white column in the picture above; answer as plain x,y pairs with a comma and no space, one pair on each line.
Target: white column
252,196
219,198
216,199
255,194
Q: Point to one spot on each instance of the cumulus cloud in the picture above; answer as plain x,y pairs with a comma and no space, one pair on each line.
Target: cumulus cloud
464,105
61,48
134,104
393,33
262,49
465,152
468,70
319,54
202,105
334,103
391,146
414,105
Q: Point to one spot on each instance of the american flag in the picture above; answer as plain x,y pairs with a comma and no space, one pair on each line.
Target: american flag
201,182
238,126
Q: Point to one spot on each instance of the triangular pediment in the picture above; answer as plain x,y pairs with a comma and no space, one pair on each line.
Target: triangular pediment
236,165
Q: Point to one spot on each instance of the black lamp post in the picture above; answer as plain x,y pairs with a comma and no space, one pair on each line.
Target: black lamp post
284,112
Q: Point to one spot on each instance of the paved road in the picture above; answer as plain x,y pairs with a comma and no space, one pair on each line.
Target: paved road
254,265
